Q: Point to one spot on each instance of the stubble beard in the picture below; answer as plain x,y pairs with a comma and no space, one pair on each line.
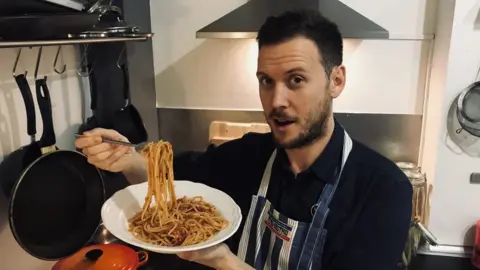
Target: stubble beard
314,129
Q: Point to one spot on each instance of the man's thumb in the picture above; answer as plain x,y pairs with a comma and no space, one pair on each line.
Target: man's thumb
188,256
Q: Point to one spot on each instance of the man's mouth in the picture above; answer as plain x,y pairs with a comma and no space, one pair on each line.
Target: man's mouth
283,122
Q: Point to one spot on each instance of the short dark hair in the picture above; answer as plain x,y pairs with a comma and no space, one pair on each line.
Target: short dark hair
306,23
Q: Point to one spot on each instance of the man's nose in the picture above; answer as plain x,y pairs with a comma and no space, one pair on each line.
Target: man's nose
280,97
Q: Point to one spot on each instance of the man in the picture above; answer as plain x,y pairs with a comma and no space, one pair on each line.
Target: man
341,205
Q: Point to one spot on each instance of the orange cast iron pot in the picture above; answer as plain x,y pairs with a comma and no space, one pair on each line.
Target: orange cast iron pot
103,257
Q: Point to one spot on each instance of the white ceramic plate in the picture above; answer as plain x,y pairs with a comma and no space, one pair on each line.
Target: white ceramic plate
125,203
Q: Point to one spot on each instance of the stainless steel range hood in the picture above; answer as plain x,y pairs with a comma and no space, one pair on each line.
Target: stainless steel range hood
245,21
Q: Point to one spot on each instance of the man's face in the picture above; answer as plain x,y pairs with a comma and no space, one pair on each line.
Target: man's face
295,92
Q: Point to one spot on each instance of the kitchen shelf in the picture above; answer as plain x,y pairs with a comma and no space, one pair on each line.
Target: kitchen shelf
41,43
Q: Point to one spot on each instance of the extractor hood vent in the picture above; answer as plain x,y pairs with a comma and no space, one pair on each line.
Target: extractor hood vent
245,21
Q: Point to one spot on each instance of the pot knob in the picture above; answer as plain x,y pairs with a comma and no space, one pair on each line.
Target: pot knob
93,254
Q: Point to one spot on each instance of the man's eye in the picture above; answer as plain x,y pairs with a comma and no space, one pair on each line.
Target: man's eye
265,81
296,80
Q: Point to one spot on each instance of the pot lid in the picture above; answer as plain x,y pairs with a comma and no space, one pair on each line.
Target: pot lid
104,257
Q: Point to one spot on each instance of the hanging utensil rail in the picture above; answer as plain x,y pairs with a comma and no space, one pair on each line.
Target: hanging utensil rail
39,43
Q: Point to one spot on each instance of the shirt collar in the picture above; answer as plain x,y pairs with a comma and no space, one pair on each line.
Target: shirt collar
325,166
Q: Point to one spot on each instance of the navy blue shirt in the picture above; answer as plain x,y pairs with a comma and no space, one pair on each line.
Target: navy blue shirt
370,212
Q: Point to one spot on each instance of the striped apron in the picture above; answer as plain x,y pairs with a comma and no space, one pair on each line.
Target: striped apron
271,240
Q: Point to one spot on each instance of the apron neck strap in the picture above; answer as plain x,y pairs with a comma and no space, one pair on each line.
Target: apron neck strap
262,191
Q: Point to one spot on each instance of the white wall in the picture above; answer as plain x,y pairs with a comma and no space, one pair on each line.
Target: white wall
67,107
449,157
383,77
220,74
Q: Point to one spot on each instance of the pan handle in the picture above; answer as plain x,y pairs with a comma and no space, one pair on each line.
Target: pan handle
45,105
24,88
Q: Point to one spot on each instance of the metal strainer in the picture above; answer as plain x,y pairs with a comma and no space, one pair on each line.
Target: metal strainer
468,109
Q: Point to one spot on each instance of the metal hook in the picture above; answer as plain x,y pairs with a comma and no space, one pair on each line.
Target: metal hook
55,63
84,64
120,58
83,74
37,65
16,63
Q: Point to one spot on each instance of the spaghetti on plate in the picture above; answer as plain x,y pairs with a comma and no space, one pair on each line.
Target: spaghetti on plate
165,220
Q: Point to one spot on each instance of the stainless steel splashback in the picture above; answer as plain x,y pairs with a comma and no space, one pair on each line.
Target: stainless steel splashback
396,136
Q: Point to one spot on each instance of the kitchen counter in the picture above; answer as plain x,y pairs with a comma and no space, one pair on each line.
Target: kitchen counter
430,262
421,262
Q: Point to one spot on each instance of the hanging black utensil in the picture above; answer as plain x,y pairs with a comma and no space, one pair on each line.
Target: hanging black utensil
108,80
91,122
12,166
105,83
55,205
128,121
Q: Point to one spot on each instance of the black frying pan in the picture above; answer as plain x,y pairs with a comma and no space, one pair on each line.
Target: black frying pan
55,205
13,165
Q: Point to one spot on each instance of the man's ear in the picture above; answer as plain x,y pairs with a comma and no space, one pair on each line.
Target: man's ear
337,81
